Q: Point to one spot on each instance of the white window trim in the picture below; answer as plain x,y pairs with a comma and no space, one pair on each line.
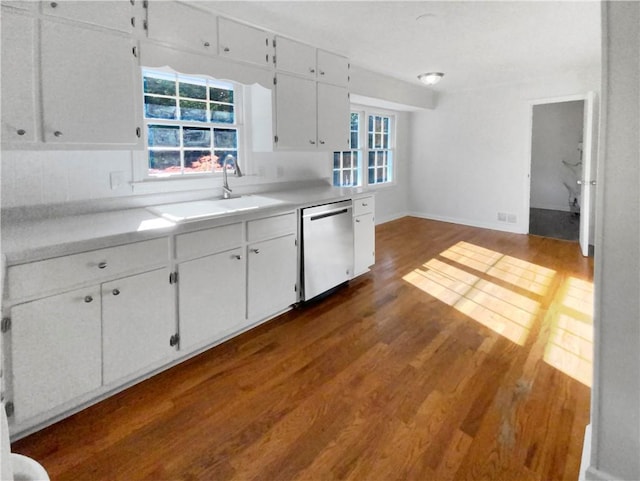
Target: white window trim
365,112
143,183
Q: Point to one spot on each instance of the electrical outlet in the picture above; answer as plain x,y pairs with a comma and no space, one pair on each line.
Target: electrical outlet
502,217
116,178
512,218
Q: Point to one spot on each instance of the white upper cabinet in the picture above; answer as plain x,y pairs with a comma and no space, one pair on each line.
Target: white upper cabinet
295,57
244,43
197,30
332,68
110,14
295,113
333,117
88,86
18,79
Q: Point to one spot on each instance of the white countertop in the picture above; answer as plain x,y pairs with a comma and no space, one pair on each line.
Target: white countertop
31,240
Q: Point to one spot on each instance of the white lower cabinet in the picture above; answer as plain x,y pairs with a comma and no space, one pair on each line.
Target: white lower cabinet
138,320
364,235
56,352
272,276
212,297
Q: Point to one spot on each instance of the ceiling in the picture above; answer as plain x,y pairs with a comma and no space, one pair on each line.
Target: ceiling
474,43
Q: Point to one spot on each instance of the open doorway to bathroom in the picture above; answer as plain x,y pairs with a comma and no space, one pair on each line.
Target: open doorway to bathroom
556,169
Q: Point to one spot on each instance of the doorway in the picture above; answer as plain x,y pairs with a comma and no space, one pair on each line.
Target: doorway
556,169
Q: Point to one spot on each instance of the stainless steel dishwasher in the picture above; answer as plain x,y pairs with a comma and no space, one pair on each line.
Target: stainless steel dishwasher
327,247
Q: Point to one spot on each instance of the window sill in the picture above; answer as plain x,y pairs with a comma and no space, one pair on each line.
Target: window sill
175,184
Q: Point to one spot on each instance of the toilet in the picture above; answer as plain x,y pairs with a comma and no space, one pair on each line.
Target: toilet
13,466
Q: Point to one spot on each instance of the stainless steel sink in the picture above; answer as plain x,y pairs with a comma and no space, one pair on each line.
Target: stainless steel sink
202,209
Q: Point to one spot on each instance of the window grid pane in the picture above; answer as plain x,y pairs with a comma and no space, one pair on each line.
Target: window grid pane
187,140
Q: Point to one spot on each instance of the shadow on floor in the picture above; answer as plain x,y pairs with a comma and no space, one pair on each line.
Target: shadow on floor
554,223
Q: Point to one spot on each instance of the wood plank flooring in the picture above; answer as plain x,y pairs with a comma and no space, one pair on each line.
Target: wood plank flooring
463,355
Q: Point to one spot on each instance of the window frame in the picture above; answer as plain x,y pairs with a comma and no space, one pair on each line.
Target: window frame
363,148
144,169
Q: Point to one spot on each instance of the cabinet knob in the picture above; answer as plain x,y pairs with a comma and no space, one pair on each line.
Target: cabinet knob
102,265
256,251
357,220
207,44
226,49
88,299
364,204
21,131
321,72
312,70
312,142
322,142
115,292
237,256
54,4
57,133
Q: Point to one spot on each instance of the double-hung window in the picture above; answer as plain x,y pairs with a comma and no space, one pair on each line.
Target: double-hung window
370,160
191,124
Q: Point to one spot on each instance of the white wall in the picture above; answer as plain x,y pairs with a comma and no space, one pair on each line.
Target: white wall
471,155
615,410
557,131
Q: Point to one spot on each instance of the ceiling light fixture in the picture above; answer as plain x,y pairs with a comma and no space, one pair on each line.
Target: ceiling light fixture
430,78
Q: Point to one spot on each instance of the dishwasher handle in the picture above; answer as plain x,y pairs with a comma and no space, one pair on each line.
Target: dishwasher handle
330,213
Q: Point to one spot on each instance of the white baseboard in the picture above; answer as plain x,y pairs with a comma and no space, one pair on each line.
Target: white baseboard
593,474
586,454
500,226
389,218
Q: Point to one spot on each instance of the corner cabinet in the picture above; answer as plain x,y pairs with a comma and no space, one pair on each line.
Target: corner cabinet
86,73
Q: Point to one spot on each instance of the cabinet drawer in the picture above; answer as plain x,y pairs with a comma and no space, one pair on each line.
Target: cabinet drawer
364,205
60,272
208,241
270,227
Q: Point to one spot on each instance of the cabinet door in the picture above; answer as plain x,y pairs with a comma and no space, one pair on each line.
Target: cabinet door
333,117
295,57
56,351
364,235
18,82
212,297
88,87
295,113
244,43
332,68
110,14
271,276
196,30
138,318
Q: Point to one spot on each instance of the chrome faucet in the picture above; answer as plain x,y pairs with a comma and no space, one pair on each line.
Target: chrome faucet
226,190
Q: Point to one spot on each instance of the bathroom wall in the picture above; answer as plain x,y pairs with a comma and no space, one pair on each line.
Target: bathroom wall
557,132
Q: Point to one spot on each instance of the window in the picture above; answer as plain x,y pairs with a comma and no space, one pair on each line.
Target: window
377,147
346,165
191,124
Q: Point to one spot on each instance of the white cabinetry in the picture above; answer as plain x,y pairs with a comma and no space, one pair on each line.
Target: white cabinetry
110,14
332,68
243,43
195,31
82,321
364,233
295,57
138,320
333,117
87,86
18,78
55,351
296,114
271,265
211,287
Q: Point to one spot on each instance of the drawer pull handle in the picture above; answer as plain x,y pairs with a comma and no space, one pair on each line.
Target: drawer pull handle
256,251
102,265
21,132
88,299
364,204
115,292
237,256
57,133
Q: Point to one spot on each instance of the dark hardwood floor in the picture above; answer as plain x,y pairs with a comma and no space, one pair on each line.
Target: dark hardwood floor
464,354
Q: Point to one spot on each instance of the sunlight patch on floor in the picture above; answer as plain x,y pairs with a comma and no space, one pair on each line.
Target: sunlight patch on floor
570,345
518,272
500,309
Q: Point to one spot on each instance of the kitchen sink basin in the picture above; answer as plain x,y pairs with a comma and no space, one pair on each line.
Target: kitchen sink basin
202,209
